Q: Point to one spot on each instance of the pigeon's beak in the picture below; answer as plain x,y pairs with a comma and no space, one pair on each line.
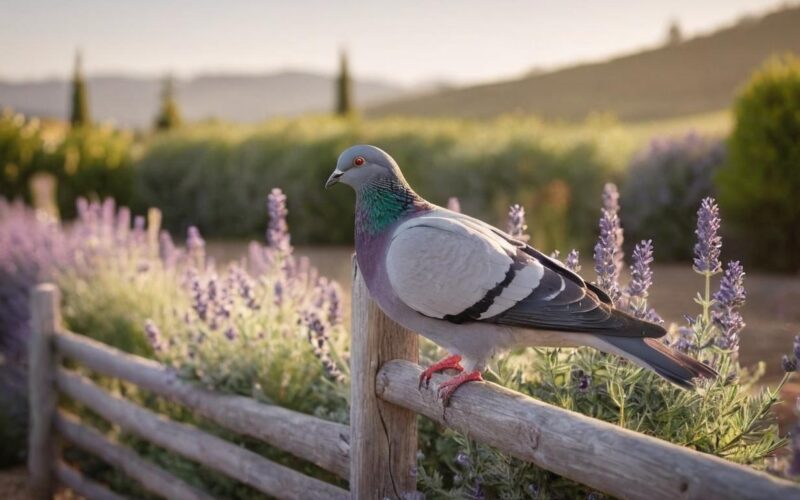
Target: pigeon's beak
334,178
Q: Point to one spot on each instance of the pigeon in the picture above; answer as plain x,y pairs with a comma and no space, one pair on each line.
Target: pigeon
475,290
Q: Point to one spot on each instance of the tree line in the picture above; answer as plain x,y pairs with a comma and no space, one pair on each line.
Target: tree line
169,115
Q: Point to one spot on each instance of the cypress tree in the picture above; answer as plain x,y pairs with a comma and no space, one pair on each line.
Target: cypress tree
79,113
169,116
344,98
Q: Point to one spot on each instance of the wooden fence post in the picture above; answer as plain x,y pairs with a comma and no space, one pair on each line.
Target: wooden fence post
45,321
383,436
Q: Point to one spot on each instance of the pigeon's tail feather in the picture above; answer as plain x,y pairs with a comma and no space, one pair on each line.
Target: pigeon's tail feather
674,366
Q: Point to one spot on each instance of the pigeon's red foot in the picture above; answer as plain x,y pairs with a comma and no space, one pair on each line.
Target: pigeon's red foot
448,363
448,387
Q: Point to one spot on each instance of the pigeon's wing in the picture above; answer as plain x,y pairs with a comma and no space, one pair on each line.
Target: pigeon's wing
447,269
458,269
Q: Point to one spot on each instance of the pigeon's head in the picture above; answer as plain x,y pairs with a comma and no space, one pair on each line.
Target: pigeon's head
361,165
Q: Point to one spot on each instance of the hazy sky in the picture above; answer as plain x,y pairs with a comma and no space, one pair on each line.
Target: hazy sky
402,40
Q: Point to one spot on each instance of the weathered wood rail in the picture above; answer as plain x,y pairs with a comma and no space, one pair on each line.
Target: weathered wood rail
376,453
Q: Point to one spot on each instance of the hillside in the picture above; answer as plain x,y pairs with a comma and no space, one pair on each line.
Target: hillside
133,101
696,76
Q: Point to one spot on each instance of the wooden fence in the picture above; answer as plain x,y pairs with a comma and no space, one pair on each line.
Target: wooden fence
376,453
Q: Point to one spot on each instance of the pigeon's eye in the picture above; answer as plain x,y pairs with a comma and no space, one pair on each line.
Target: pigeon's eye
358,161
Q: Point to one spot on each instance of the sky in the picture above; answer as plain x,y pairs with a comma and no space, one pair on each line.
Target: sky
405,41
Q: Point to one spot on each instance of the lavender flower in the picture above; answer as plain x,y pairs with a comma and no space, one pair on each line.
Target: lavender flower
605,255
709,243
796,347
584,382
138,229
278,292
108,212
727,300
463,459
166,250
334,296
123,223
641,280
453,204
611,204
641,274
230,333
153,335
516,223
244,285
278,236
318,337
572,261
789,364
684,341
196,246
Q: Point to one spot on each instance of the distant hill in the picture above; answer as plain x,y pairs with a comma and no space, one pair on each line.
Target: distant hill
695,76
133,101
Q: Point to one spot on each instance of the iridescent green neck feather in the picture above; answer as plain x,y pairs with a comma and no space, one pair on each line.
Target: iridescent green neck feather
381,203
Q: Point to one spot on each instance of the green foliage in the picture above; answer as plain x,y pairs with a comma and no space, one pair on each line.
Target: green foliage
344,89
169,116
79,104
85,161
214,176
758,188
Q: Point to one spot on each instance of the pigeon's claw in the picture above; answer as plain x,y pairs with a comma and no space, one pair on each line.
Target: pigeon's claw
448,387
448,363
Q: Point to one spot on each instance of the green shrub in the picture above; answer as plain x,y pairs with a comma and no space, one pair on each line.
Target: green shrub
215,177
665,183
85,161
759,187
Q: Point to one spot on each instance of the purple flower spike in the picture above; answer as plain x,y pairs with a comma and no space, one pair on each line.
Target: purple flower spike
334,293
641,274
796,347
611,197
709,243
789,364
611,203
153,335
166,249
727,300
138,229
318,337
641,280
605,252
196,245
278,230
731,287
573,261
584,383
230,334
453,204
516,223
